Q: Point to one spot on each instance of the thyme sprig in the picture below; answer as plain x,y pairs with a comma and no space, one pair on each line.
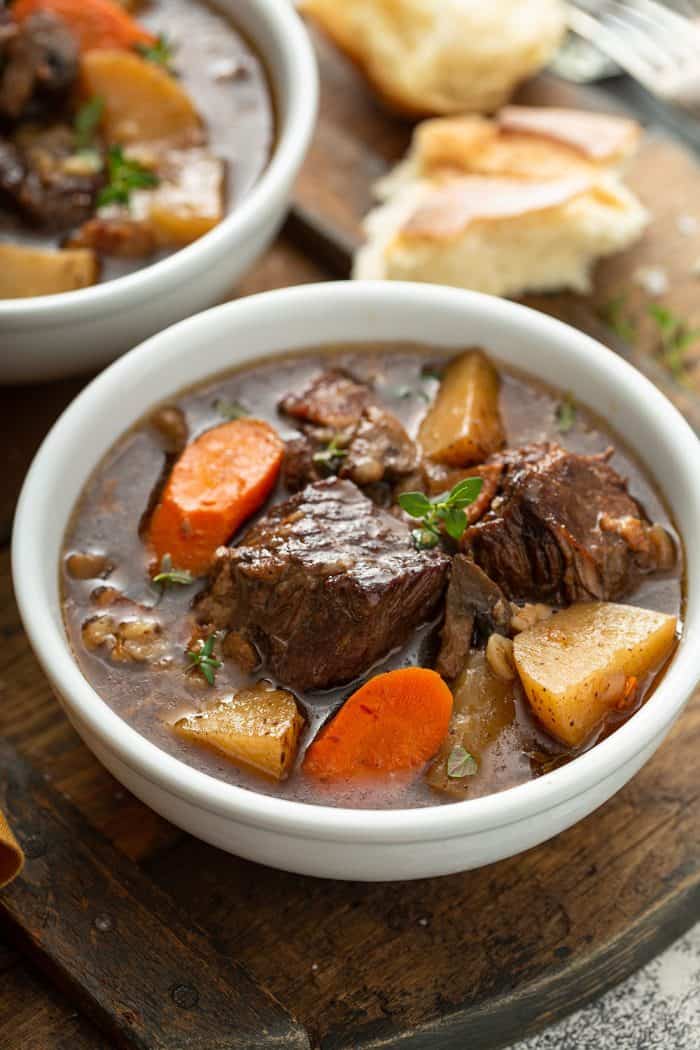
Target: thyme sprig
168,575
202,658
123,176
446,511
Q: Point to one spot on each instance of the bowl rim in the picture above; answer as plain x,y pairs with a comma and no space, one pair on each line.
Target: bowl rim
297,83
329,823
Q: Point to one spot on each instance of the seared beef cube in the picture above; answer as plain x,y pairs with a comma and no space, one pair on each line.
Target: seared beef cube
346,431
38,64
52,194
474,604
334,399
324,586
564,528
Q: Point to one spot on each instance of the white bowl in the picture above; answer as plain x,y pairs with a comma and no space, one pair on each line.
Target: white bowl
59,335
320,840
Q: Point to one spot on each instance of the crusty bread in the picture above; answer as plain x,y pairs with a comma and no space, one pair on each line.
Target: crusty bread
443,56
526,202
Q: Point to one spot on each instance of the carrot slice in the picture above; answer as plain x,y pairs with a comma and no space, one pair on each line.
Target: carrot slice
95,23
395,722
219,480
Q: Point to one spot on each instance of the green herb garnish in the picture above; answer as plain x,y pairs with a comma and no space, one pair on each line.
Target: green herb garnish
168,575
202,658
331,456
615,316
124,175
231,409
460,763
161,53
675,336
566,414
86,122
446,511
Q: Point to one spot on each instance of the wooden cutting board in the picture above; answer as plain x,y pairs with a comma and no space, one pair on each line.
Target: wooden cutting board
165,942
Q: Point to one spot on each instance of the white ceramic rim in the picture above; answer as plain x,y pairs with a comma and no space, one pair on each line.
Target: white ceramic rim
325,822
295,91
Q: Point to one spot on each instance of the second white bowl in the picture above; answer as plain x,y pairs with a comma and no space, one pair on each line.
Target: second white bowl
59,335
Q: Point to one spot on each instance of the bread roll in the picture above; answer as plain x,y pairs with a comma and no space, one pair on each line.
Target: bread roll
443,56
526,202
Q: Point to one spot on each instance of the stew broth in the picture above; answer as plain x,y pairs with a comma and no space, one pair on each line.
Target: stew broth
122,488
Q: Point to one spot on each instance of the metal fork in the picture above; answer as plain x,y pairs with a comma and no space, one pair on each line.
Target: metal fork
658,47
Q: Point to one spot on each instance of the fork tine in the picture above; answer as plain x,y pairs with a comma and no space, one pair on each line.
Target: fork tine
613,43
659,15
672,37
636,34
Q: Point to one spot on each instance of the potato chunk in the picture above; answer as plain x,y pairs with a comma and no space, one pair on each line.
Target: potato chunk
258,728
27,271
464,425
483,707
188,200
142,102
575,667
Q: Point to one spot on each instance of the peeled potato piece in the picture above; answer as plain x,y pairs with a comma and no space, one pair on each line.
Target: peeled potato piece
464,426
188,200
258,728
26,271
483,708
576,666
142,102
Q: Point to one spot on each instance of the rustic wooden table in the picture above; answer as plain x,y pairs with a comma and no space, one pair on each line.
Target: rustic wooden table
124,931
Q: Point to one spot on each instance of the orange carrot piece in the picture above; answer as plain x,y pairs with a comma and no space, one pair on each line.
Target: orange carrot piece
95,23
219,480
395,722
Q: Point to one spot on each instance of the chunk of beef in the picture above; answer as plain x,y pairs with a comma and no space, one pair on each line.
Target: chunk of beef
38,65
52,194
369,444
324,585
474,604
550,532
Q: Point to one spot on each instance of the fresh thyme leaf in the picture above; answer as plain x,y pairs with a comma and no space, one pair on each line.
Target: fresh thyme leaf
615,316
675,336
169,575
465,492
566,414
202,659
231,409
416,504
330,456
123,176
86,122
447,510
455,521
161,53
460,763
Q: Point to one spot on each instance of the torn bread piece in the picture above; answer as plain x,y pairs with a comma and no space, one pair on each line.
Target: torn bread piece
478,205
522,141
443,56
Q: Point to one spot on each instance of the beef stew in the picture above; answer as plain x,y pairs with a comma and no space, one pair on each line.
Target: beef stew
122,137
271,579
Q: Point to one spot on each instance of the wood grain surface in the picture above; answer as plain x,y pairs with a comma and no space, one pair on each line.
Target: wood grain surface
477,959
